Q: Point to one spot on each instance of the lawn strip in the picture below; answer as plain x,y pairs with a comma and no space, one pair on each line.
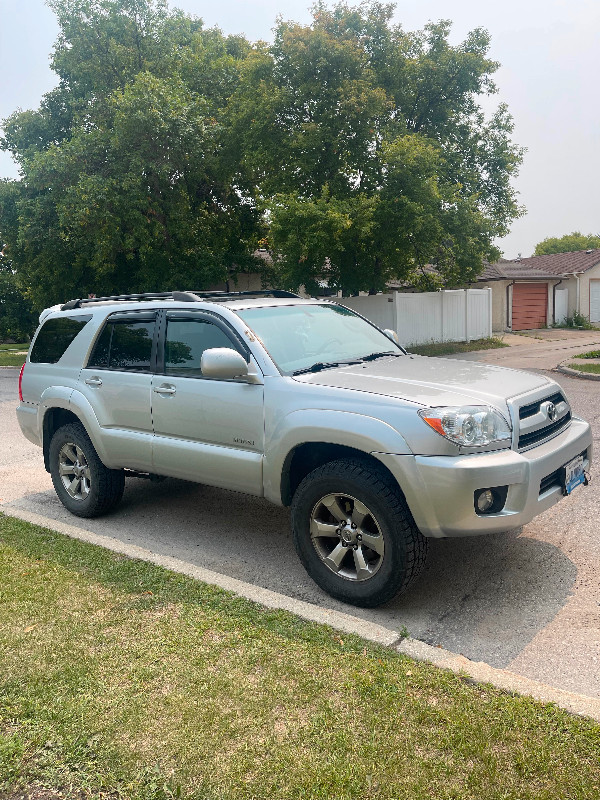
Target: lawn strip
8,359
19,346
119,675
594,369
449,348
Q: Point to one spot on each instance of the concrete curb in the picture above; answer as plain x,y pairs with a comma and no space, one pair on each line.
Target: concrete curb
347,623
573,373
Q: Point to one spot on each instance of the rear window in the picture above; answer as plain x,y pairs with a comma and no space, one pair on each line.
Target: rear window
55,336
125,344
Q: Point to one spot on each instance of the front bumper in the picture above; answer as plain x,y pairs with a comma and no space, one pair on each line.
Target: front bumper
440,490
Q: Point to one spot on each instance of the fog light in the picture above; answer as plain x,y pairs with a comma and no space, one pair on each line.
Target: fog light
484,500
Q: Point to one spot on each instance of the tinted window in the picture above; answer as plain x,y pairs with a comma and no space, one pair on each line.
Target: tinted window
55,336
186,341
124,344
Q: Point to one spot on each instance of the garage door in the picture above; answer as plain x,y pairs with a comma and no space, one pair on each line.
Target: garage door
529,306
594,301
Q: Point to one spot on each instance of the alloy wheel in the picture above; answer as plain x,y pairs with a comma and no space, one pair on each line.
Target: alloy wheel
347,537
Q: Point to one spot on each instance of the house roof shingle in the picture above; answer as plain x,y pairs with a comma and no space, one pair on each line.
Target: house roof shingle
554,265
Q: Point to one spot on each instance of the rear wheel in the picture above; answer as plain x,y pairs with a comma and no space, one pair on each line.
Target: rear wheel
355,534
83,484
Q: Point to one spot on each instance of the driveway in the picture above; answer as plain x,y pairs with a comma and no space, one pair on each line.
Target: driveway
528,601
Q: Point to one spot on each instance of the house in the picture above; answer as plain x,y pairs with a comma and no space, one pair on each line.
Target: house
543,290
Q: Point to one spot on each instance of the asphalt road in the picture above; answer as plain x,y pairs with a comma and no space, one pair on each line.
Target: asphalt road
528,601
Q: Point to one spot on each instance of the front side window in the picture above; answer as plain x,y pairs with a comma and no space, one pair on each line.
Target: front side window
185,342
124,344
55,336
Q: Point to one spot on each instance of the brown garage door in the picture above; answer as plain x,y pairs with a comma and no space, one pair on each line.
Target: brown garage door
529,305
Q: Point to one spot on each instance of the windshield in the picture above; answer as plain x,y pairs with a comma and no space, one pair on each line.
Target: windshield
306,338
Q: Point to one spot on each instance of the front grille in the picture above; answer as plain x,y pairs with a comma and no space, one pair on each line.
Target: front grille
532,408
532,437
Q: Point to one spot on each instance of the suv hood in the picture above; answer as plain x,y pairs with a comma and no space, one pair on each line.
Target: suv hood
431,381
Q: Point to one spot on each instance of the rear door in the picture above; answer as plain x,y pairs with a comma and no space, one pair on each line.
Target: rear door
205,430
117,383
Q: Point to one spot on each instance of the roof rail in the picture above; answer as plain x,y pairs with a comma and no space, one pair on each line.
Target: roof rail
179,297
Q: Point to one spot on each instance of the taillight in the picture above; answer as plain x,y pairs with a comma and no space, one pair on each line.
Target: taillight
20,382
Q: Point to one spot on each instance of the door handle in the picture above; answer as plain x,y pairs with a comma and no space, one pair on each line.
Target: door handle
93,381
165,390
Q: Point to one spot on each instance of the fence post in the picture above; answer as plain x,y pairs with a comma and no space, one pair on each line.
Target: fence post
490,309
442,338
467,338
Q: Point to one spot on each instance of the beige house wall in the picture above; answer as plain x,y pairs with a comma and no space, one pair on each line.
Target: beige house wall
584,290
498,302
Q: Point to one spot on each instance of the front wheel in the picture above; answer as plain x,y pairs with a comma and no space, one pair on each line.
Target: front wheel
83,484
355,534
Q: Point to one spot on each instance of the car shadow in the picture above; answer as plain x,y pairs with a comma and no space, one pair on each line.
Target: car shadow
485,597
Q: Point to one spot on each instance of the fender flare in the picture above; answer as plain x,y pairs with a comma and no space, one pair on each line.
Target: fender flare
75,402
349,429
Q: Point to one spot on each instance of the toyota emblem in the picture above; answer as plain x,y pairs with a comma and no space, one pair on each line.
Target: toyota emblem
551,412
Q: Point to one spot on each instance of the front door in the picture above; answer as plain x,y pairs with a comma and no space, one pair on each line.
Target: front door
205,430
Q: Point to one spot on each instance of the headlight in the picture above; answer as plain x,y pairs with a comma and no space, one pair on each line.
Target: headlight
468,426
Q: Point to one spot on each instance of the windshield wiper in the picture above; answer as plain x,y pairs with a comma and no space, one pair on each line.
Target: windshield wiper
373,356
326,365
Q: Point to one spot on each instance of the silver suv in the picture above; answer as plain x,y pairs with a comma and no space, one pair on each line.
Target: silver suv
307,403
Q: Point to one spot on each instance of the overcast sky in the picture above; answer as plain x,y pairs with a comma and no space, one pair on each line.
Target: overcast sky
549,51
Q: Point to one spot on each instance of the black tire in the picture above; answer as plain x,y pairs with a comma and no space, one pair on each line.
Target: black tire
99,488
401,549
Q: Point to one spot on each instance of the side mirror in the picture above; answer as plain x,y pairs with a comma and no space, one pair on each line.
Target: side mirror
392,335
223,363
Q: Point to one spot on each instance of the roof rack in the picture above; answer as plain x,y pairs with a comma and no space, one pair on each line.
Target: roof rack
179,297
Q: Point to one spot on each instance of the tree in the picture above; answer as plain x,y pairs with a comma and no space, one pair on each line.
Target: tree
125,182
371,154
569,243
167,152
17,320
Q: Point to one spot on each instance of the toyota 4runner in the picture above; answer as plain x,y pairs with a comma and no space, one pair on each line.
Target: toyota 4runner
308,404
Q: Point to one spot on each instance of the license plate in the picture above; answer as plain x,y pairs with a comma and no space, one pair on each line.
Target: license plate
574,474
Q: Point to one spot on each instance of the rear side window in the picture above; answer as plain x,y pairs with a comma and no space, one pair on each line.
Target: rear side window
55,336
125,344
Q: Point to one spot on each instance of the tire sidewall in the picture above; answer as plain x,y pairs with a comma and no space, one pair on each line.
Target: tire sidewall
75,434
389,578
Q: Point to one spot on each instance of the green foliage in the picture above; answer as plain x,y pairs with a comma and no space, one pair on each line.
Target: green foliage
17,320
577,320
371,153
126,185
569,243
168,151
589,354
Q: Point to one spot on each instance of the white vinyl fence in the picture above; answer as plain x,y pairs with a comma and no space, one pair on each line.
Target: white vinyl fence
451,315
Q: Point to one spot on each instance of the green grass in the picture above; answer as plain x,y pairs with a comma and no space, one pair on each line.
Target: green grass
22,346
589,354
447,348
8,359
119,679
591,368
